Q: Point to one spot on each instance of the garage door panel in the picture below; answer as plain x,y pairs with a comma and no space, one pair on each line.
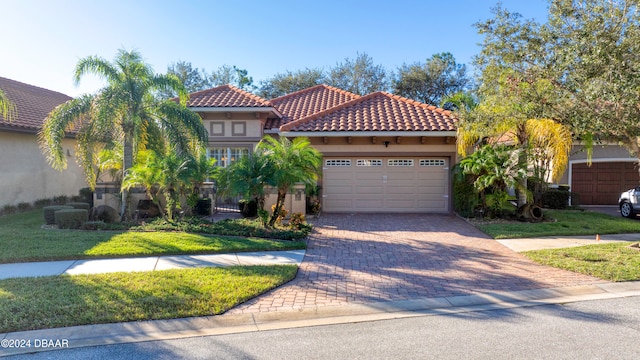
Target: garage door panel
385,188
602,183
375,190
375,205
343,190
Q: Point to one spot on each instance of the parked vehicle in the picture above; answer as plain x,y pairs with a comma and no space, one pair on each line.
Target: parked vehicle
629,202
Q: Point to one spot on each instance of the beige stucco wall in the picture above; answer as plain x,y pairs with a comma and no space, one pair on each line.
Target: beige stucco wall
26,175
402,146
234,126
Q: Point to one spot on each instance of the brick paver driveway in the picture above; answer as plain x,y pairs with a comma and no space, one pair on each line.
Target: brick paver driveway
359,258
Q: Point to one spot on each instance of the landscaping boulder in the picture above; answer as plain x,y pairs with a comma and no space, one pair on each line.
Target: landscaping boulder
104,213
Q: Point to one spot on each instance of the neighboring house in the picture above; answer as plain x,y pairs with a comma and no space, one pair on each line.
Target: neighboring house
382,153
26,175
612,171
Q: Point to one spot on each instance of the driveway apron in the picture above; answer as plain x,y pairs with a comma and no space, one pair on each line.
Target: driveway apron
364,258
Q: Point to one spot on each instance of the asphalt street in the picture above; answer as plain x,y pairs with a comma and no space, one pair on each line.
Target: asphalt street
598,329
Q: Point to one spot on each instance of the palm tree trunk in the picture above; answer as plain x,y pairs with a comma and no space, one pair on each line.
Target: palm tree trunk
279,203
127,164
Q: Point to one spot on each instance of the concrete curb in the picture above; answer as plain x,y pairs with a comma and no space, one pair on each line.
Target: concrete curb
132,332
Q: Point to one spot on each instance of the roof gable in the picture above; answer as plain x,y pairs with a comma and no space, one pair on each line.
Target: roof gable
33,104
226,96
307,102
379,111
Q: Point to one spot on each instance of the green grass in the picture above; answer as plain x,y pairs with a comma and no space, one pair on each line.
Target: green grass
566,222
22,239
50,302
613,262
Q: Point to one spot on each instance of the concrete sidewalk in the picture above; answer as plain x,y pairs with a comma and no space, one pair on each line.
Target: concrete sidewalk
557,242
98,266
132,332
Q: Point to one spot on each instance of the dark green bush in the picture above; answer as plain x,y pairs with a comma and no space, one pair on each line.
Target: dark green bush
236,227
202,207
9,209
24,206
49,213
71,218
556,199
42,202
60,199
465,196
249,208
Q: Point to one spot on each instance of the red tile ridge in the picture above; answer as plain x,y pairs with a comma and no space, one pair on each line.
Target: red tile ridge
313,88
254,97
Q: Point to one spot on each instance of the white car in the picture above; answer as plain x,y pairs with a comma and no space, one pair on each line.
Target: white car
629,202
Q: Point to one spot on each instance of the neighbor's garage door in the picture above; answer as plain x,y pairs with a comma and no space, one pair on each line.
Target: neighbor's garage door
408,184
602,183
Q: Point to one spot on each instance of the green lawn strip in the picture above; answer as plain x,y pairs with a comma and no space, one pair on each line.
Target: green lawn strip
57,301
566,222
22,239
613,262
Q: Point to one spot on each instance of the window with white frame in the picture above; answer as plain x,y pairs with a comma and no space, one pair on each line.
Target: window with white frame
226,156
400,162
432,162
369,162
337,162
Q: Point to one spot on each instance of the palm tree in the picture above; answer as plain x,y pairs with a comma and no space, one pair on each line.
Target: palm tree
247,177
290,162
7,108
126,112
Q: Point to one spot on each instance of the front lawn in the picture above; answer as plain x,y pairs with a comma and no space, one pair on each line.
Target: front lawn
22,239
614,261
57,301
563,222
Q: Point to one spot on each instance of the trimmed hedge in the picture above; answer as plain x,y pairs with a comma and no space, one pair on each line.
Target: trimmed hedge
71,218
49,213
79,205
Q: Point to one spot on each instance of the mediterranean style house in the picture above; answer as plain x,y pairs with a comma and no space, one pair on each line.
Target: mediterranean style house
382,152
26,175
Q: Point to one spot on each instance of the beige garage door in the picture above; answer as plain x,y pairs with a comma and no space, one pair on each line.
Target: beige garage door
402,184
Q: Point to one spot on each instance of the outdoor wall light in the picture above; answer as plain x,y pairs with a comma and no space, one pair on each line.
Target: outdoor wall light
386,143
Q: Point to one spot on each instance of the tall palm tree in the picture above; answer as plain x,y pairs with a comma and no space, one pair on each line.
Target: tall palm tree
290,162
7,108
125,112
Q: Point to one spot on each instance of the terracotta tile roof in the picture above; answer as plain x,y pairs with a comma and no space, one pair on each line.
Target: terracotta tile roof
307,102
226,96
33,104
378,111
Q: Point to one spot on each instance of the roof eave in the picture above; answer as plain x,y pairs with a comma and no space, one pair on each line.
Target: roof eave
236,109
366,133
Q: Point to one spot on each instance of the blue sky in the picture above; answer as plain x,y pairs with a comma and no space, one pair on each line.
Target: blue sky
42,40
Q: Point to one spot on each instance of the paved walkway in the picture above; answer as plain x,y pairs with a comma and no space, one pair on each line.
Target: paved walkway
362,258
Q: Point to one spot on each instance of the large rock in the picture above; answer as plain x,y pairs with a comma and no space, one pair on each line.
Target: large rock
104,213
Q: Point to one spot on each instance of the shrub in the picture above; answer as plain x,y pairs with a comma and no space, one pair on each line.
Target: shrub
264,217
202,207
297,221
465,196
556,199
42,202
105,213
9,209
60,199
79,205
49,213
71,218
24,206
249,208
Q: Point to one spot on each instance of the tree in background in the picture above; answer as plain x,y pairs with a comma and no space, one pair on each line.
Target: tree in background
431,82
125,112
7,108
192,78
581,68
360,76
289,82
226,74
